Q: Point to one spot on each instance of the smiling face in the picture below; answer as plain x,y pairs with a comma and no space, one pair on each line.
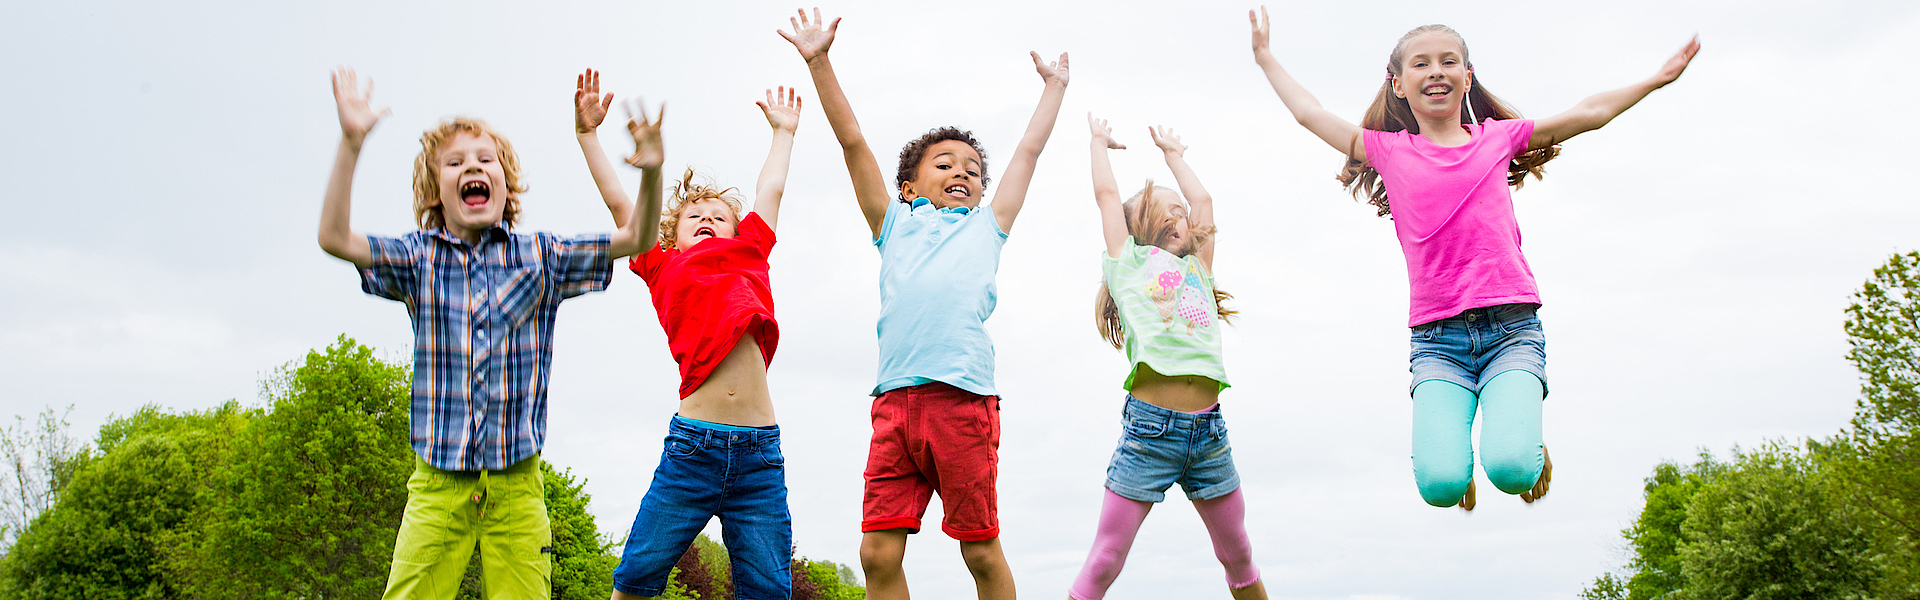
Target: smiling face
473,184
703,219
1433,76
949,175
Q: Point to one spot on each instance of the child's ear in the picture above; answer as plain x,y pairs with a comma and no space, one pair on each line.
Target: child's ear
906,191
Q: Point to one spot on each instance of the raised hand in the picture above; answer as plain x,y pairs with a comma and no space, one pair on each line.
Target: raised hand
782,109
811,37
1168,142
648,151
589,107
356,117
1262,29
1051,72
1678,63
1102,133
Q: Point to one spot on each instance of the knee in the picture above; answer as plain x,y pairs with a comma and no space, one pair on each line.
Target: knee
1442,489
1512,473
880,556
983,558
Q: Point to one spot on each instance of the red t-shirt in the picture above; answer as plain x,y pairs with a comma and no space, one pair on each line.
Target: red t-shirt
709,296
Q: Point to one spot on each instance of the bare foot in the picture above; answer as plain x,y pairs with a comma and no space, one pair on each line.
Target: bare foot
1256,591
1467,501
1540,486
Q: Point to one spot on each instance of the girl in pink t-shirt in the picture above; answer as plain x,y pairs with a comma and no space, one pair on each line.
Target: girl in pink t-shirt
1476,340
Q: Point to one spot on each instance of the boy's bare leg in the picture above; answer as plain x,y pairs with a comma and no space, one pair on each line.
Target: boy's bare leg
881,555
1257,591
991,576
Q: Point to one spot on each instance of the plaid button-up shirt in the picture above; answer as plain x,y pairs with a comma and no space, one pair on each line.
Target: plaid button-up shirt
482,334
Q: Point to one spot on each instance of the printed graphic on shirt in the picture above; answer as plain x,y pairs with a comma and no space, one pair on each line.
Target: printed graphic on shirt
1176,291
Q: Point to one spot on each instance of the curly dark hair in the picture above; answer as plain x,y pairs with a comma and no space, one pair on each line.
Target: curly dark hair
916,150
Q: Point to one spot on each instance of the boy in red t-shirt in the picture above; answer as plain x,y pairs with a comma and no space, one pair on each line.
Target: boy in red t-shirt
708,278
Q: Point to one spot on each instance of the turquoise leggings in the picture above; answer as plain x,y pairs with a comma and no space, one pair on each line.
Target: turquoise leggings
1511,451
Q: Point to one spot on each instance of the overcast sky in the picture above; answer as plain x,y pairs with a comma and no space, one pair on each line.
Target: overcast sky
165,163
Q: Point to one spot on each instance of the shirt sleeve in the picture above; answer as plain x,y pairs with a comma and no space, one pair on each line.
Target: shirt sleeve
1517,132
647,264
1379,145
895,212
393,273
577,265
754,230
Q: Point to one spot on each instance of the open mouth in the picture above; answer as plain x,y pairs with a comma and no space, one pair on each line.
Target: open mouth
704,232
1437,90
475,194
958,191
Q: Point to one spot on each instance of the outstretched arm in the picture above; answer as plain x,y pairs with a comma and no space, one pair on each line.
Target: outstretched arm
1199,202
783,113
1013,183
642,228
589,111
812,38
1598,109
337,236
1330,128
1106,192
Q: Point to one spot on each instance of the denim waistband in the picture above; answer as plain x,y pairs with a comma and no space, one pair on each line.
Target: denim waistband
1487,317
1141,410
702,433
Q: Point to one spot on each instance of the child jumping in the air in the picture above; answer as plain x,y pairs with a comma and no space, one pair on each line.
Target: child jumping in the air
710,287
936,415
482,299
1444,150
1157,302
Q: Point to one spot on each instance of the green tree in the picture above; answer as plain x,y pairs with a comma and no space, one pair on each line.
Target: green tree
108,533
1766,528
1876,463
310,505
38,459
1656,535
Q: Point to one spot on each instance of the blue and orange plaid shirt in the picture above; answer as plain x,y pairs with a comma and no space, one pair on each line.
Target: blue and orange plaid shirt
482,334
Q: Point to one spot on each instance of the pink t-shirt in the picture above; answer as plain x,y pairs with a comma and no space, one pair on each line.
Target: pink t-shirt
1453,214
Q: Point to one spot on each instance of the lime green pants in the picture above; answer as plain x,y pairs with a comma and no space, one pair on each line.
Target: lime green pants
450,513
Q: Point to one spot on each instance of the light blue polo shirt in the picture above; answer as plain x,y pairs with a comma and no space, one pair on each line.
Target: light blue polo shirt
936,292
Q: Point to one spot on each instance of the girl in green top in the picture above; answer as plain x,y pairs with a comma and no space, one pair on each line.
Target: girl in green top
1157,302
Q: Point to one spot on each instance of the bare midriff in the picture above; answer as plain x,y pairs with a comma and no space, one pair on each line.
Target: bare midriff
1184,393
736,392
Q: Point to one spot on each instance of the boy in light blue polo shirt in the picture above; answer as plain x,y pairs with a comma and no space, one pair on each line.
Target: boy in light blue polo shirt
936,415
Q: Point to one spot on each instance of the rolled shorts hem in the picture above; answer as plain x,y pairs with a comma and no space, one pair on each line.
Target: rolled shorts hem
1134,493
1496,369
1216,490
911,524
977,535
639,591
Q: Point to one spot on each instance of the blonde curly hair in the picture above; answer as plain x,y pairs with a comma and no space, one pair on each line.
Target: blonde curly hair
687,192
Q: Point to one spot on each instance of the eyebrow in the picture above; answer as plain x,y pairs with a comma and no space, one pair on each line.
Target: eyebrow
952,154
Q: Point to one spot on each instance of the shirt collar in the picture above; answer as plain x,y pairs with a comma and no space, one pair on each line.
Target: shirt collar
494,233
922,201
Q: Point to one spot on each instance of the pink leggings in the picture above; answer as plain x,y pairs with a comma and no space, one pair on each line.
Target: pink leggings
1120,519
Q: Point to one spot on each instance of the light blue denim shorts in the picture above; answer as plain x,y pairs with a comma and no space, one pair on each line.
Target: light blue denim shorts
1160,447
1471,347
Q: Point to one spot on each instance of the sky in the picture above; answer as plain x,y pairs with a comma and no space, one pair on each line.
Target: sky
165,164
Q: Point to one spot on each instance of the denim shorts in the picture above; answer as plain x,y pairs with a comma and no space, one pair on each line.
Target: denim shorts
739,476
1160,447
1471,347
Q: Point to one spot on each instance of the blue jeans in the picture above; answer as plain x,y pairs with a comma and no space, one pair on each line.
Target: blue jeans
1489,360
739,476
1160,447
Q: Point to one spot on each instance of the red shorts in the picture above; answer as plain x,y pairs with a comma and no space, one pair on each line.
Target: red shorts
931,438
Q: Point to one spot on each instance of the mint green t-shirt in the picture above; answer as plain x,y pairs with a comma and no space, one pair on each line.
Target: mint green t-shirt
1168,312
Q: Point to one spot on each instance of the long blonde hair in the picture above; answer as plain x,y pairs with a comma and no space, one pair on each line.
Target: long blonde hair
685,193
1391,113
1143,223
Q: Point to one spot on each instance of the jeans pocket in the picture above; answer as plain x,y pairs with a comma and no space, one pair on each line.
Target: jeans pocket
679,446
1146,428
770,454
